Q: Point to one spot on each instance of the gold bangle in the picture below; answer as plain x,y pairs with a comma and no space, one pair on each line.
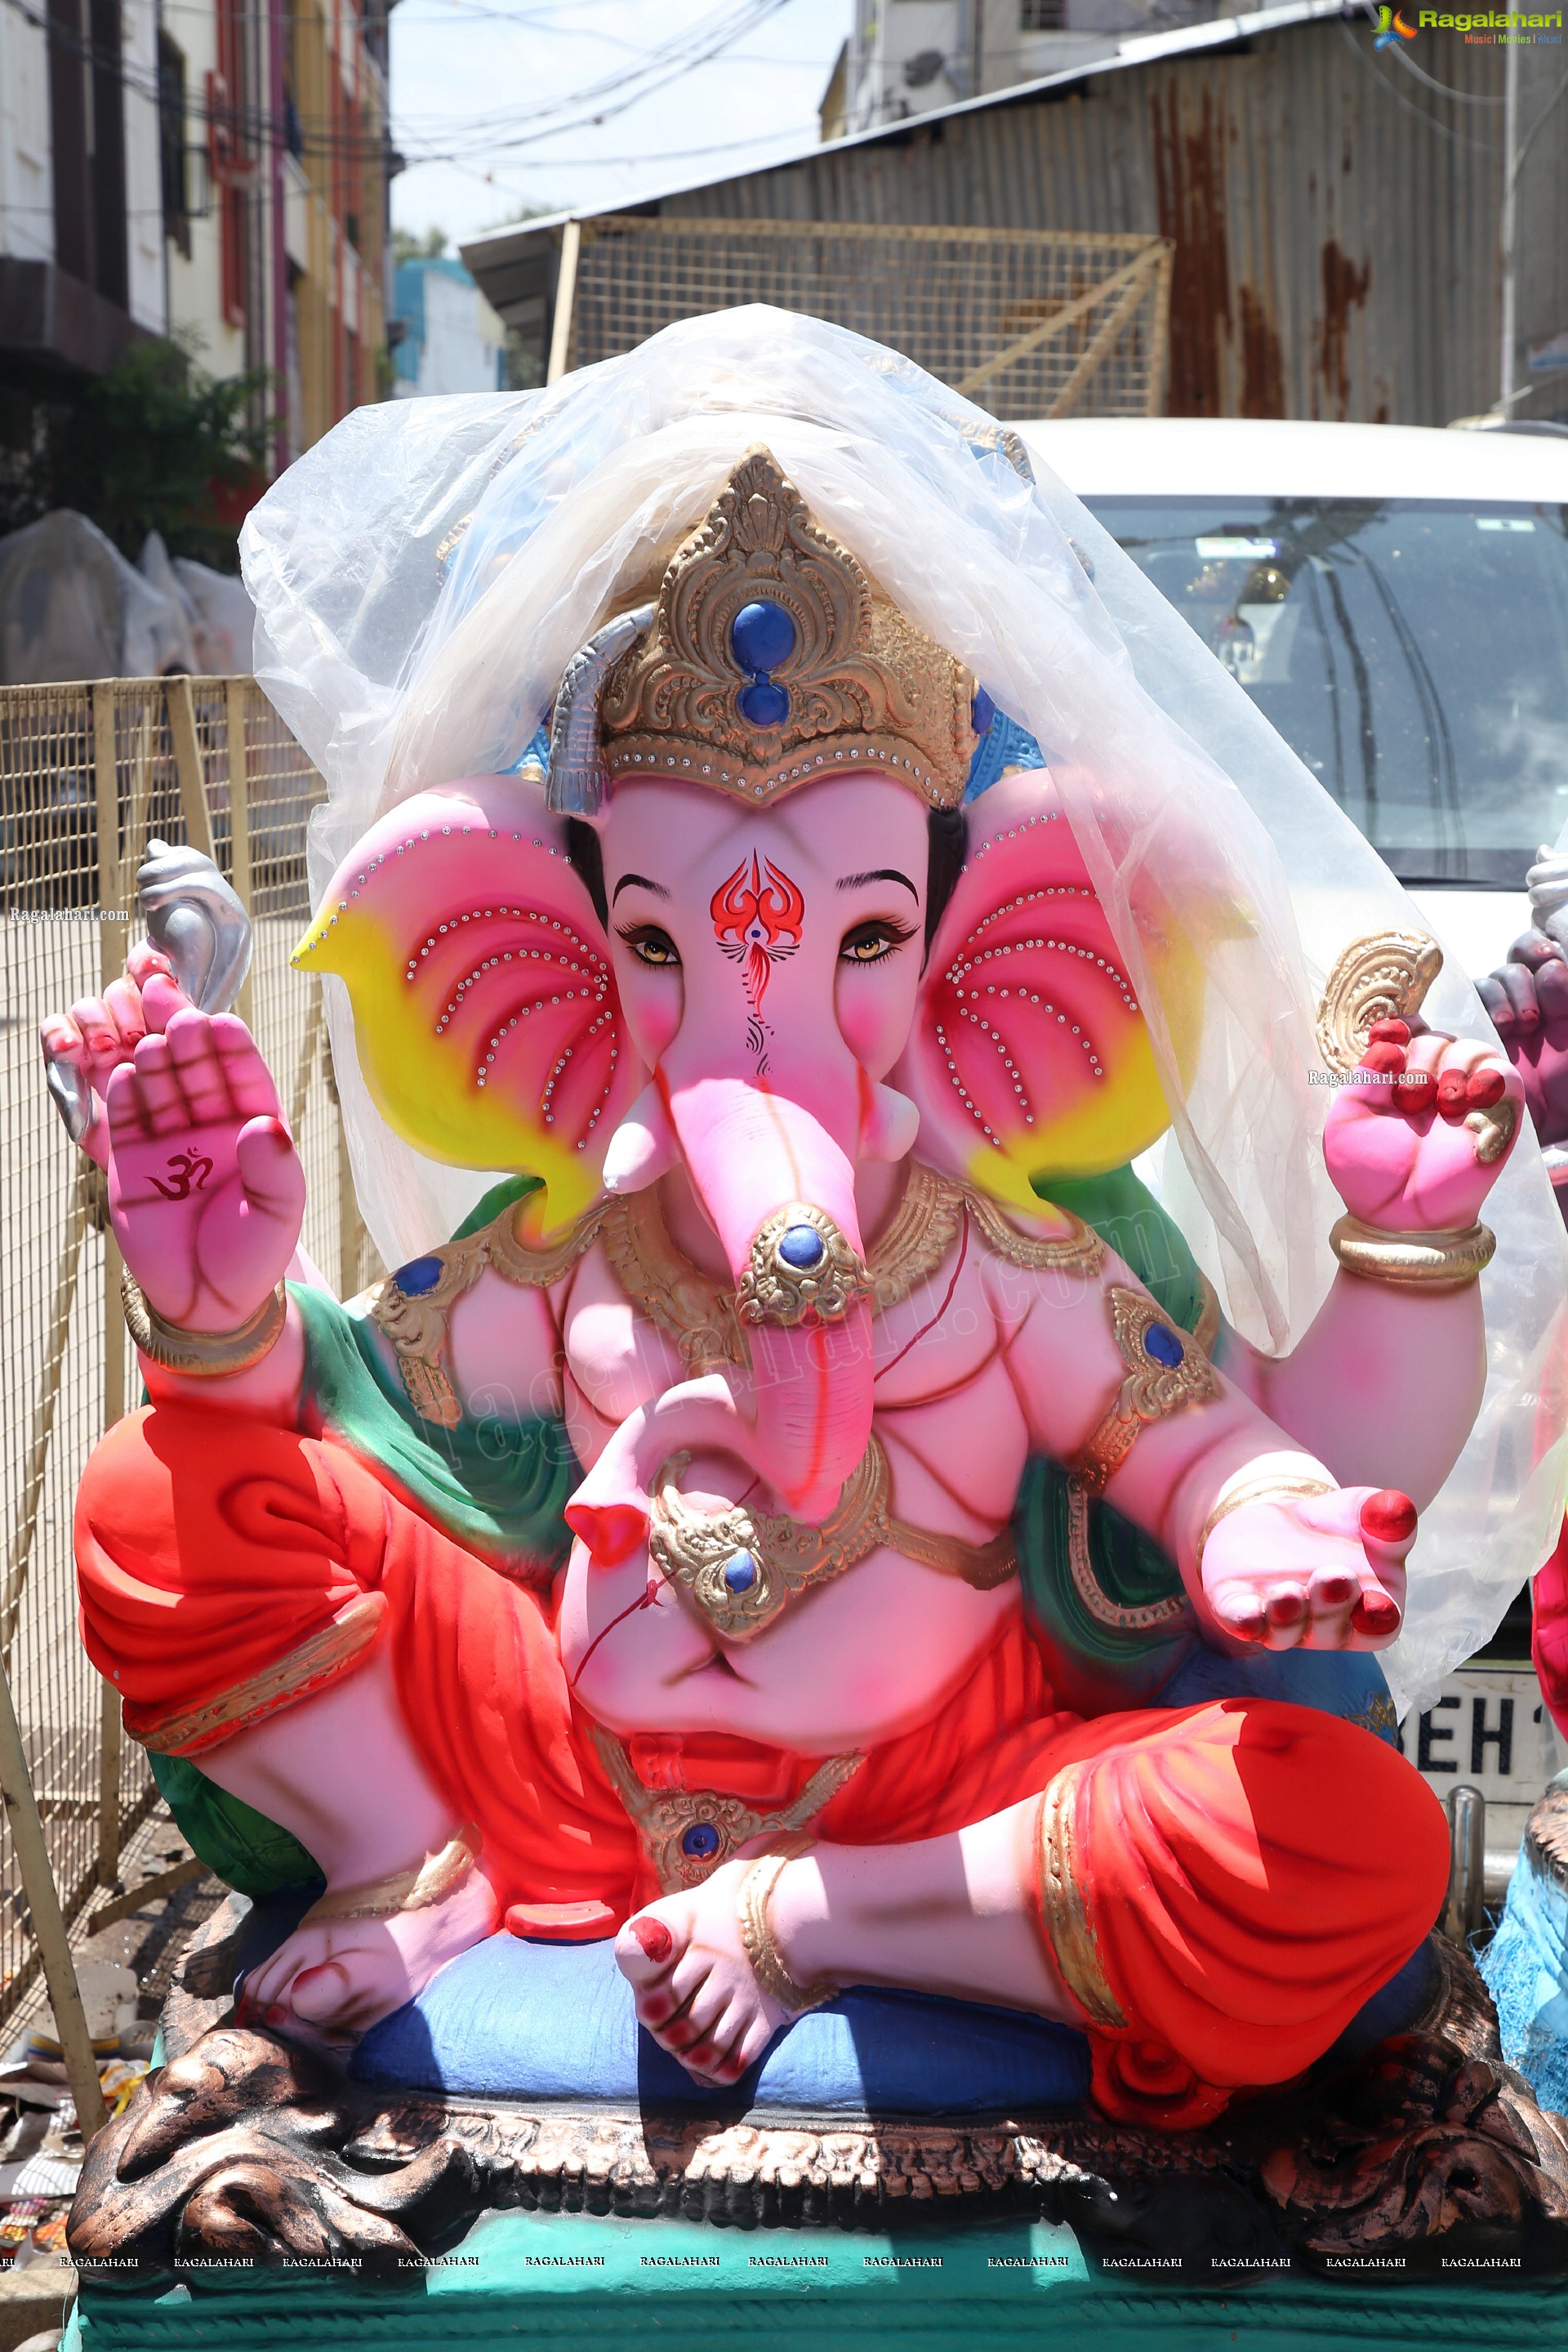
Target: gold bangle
751,1909
416,1889
1435,1260
1272,1487
203,1355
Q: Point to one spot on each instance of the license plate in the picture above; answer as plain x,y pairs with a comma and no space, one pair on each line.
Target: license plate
1488,1731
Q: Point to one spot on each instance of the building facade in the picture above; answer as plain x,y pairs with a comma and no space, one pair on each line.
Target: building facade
446,336
213,170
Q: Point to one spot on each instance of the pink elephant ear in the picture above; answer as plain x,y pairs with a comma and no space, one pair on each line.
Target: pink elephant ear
1029,1056
485,1008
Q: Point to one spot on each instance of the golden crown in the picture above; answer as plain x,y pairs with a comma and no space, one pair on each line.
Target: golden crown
772,659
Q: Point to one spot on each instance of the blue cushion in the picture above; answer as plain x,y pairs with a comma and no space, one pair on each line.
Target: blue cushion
514,2019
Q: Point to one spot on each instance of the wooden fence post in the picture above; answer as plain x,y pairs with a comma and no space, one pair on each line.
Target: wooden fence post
48,1923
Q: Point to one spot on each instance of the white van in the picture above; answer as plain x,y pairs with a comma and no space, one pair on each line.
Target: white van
1396,601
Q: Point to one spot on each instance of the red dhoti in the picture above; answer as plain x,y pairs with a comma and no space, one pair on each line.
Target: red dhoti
1223,1885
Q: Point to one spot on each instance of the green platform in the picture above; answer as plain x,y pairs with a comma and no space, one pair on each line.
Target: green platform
559,2281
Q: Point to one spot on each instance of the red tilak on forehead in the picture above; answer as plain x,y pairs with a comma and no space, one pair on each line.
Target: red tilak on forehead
757,920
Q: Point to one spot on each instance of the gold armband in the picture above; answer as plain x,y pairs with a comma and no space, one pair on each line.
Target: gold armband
203,1355
756,1935
1165,1369
1435,1260
427,1883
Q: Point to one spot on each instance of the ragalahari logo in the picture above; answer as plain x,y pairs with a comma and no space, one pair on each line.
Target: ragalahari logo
1392,27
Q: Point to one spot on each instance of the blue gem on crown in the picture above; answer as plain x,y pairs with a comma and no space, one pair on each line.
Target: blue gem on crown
762,634
701,1841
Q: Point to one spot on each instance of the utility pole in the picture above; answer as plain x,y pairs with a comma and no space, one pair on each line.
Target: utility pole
1508,237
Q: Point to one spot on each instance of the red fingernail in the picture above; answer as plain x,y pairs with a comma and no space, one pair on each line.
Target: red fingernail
655,1937
1286,1608
1386,1059
1388,1517
1389,1033
1417,1090
657,2009
1485,1087
1374,1612
1451,1093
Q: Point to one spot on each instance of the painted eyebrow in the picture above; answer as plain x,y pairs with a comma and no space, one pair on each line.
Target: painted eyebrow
882,874
642,883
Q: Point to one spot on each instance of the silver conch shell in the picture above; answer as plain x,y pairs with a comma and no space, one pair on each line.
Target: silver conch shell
197,921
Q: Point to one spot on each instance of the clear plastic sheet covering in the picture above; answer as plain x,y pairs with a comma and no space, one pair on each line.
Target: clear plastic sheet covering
424,575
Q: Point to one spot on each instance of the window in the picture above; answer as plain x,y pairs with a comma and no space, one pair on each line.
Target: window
172,170
1042,16
1414,653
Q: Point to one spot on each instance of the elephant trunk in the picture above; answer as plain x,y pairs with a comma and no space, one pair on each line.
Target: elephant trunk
780,1192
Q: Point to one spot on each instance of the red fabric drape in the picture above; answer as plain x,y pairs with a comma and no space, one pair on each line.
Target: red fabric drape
1251,1871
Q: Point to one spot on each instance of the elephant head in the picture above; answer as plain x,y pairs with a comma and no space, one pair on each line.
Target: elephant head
764,997
732,918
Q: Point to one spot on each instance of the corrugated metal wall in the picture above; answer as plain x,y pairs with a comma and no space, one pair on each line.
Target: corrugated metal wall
1335,218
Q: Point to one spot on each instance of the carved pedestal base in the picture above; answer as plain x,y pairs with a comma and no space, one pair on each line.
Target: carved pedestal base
242,2149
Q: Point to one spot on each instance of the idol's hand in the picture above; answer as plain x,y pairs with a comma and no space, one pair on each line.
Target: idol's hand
1528,1000
1312,1572
100,1035
695,1991
205,1190
1415,1141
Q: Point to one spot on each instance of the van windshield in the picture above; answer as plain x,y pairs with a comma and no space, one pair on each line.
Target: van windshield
1414,653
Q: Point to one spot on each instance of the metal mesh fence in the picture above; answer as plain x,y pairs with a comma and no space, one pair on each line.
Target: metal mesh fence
1028,323
87,774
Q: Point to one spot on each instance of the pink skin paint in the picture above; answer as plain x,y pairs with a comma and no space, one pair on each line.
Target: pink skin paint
982,1365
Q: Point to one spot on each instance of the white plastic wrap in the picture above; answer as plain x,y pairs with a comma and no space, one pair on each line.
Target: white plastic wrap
71,607
423,576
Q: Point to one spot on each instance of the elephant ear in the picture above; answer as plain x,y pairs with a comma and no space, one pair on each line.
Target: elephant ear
1030,1056
485,1010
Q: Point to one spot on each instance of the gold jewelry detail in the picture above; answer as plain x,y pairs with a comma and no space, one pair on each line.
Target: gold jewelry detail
1157,1383
715,1826
416,1324
325,1657
1269,1486
696,1310
1382,977
429,1881
865,687
1063,1912
740,1567
1435,1260
757,1936
1079,1251
1144,1618
785,1289
202,1355
1205,1330
916,1237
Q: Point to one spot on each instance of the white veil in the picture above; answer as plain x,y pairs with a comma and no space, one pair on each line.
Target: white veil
424,575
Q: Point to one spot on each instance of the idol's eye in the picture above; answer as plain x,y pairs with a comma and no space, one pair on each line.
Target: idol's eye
869,943
651,946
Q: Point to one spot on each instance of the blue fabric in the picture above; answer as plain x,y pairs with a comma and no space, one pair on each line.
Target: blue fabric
1345,1682
1006,744
515,2018
1525,1969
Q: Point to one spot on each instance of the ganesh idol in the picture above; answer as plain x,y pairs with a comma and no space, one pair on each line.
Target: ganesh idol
801,1507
